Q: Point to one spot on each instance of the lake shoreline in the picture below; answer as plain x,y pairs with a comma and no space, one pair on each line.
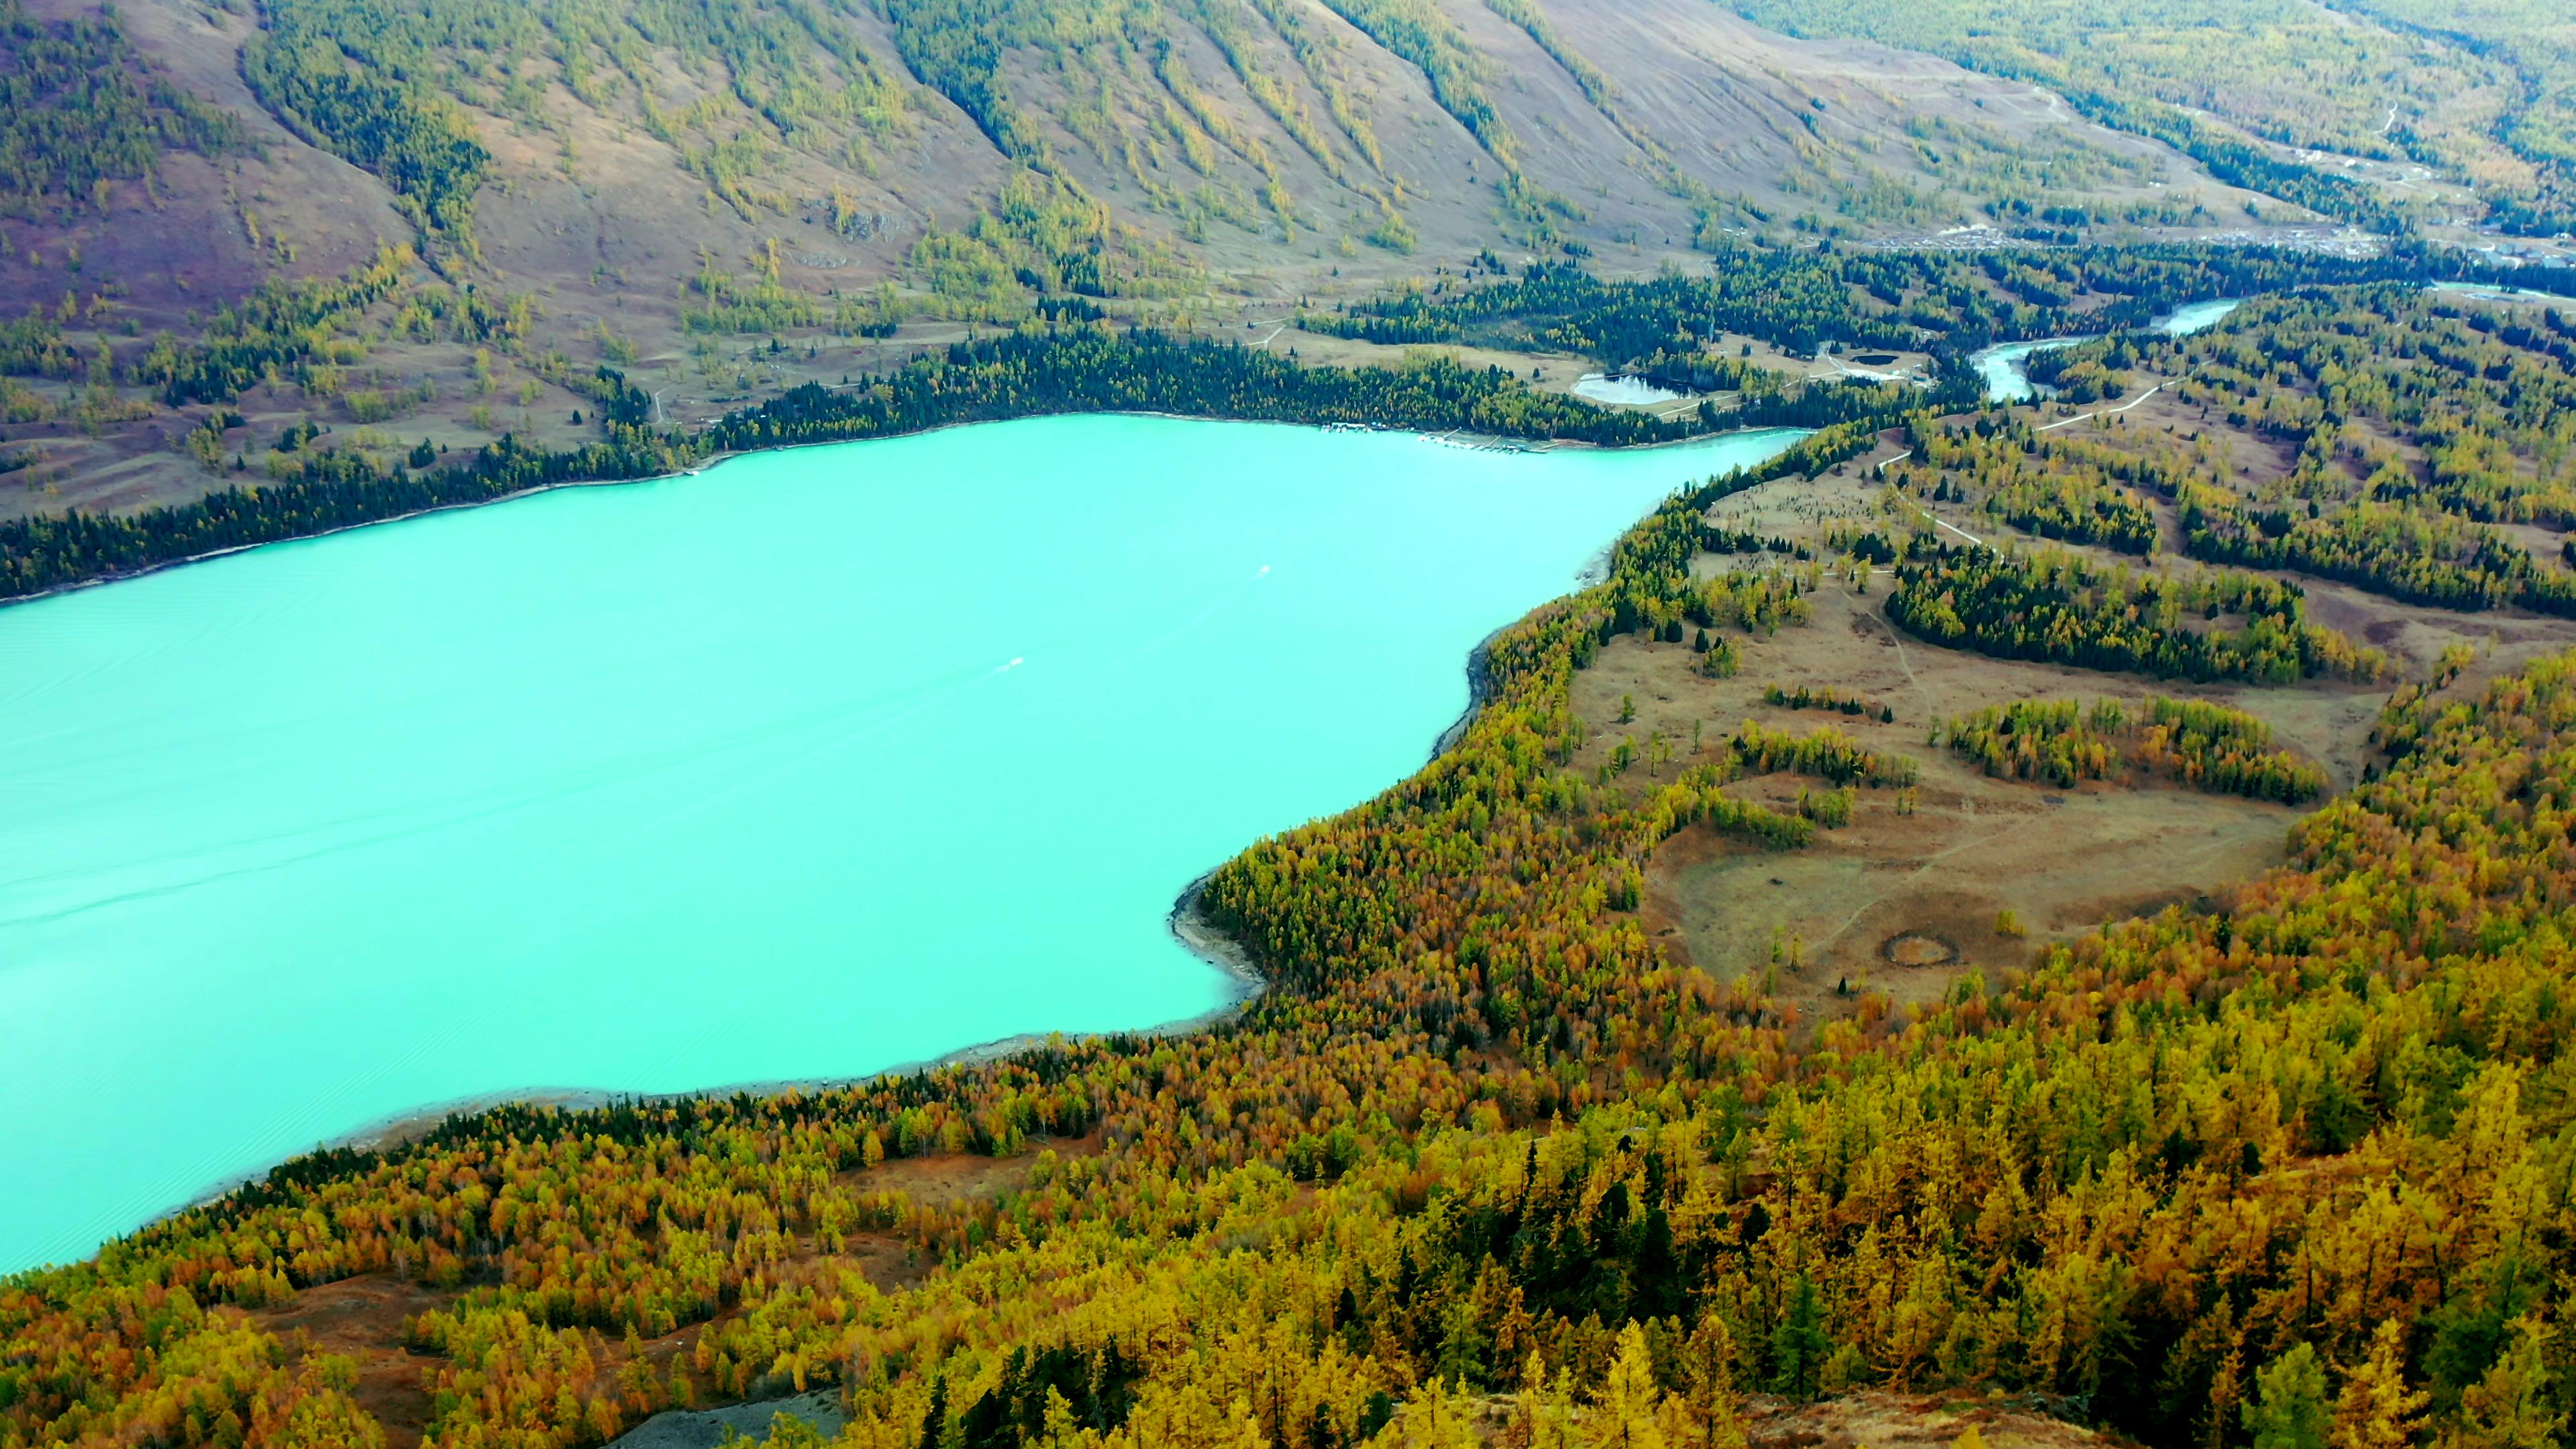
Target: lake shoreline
1480,690
1188,919
1498,441
1189,925
1188,922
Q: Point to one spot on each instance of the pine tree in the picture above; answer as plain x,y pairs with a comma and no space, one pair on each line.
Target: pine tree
1799,1346
2290,1408
1462,1346
2376,1410
1624,1418
786,1431
1243,1428
1543,1411
1434,1418
934,1424
1708,1376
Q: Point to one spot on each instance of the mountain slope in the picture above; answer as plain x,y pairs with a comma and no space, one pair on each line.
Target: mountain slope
732,196
2420,111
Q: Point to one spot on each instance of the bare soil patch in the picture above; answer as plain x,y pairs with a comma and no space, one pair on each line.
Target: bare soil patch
1883,1419
362,1319
1914,949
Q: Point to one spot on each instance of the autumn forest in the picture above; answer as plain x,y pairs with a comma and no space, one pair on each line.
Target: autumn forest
2036,915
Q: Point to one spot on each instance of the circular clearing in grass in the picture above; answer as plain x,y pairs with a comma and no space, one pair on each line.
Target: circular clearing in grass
1913,948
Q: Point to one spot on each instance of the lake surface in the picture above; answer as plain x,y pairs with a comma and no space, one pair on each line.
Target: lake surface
823,762
2008,380
1602,388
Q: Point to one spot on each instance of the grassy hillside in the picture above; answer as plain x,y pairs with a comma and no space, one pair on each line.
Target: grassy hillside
2480,92
2536,45
726,199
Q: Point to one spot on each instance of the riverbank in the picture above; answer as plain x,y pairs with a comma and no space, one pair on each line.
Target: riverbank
2004,365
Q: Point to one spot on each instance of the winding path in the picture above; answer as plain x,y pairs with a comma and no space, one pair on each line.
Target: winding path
1882,465
1937,520
2105,412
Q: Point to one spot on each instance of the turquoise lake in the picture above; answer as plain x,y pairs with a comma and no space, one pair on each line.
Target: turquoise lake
815,764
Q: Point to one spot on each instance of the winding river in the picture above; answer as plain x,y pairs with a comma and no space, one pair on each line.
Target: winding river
2008,381
818,763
